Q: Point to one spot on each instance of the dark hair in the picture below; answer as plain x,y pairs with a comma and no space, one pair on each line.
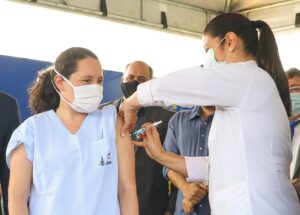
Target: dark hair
264,48
293,72
42,95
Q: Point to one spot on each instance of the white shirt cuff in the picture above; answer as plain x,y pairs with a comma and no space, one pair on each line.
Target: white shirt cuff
146,93
197,168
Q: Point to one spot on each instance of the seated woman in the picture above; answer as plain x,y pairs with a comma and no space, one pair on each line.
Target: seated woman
69,157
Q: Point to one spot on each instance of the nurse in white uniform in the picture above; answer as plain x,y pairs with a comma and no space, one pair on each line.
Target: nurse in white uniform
249,140
67,158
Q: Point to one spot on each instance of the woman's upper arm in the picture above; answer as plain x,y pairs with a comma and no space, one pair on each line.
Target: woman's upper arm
126,157
20,173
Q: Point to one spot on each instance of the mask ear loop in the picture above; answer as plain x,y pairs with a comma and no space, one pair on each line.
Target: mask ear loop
55,88
230,50
63,77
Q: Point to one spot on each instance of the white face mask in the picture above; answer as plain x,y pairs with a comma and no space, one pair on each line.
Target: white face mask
210,61
86,98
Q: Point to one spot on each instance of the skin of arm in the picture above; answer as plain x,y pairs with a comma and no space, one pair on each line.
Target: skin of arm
193,192
20,182
126,162
155,150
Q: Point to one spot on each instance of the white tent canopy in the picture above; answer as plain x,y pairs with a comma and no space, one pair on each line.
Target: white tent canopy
41,30
185,16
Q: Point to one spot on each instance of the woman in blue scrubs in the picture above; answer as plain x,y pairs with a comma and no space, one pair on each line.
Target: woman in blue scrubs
69,157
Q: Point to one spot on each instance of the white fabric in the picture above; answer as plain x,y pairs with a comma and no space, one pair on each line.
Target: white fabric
197,169
249,140
72,173
295,150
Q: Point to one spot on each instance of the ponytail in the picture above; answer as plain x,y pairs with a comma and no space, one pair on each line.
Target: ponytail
42,95
267,58
264,48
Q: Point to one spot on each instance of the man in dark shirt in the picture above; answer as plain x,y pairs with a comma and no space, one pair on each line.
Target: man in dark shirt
9,121
187,135
152,187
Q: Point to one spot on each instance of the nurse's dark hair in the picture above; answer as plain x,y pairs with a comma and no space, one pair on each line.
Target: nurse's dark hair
259,41
42,95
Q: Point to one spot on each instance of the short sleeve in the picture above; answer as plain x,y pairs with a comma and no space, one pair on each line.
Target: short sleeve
24,134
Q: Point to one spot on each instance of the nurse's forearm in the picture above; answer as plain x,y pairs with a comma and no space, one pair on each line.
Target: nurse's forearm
194,168
172,161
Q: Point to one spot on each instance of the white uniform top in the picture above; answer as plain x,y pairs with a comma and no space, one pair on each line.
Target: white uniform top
249,140
73,174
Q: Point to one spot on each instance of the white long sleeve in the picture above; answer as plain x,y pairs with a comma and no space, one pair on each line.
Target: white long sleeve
197,86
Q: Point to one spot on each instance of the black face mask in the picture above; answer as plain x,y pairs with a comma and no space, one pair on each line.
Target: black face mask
129,88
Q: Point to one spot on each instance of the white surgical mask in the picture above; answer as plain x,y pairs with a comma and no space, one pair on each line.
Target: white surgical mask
295,99
210,61
86,98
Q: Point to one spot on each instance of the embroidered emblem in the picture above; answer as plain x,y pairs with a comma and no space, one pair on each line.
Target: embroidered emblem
103,162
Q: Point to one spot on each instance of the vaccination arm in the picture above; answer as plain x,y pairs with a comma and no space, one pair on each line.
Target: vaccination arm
19,182
126,162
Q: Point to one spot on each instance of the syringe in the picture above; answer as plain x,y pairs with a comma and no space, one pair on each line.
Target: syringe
143,130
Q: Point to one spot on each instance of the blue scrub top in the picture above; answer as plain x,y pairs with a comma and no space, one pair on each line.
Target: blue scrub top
72,173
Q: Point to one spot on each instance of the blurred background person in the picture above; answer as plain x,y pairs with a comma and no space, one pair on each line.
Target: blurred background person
293,76
9,121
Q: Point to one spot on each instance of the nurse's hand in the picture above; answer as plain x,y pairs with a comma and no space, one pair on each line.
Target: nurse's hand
151,143
128,111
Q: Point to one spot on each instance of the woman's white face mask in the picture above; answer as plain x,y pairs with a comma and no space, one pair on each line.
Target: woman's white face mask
210,61
86,98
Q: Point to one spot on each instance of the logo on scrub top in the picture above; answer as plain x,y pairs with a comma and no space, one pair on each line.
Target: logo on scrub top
103,162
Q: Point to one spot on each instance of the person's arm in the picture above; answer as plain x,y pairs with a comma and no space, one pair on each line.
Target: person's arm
192,86
126,162
195,168
20,182
193,192
155,151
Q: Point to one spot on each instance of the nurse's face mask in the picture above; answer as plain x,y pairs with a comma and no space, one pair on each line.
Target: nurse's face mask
86,98
210,61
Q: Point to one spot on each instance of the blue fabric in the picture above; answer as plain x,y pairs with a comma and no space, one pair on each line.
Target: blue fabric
187,135
17,74
72,173
293,124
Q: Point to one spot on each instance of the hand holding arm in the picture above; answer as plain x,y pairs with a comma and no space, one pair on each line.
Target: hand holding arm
193,192
155,150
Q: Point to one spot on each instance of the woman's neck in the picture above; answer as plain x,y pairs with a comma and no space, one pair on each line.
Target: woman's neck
71,119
